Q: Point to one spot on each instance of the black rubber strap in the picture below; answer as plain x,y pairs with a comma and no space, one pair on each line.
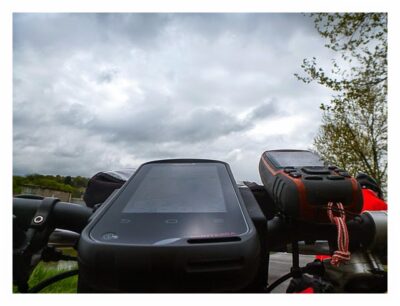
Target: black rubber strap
41,216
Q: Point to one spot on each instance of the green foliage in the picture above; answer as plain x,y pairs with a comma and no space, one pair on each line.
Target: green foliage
76,185
45,270
353,133
68,180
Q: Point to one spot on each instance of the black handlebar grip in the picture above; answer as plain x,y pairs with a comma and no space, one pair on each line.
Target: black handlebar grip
280,233
67,216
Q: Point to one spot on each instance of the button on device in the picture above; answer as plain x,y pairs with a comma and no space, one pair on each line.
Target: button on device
344,174
313,178
335,177
171,221
110,236
289,169
295,174
315,170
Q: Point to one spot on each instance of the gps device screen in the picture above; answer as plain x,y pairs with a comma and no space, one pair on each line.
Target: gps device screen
181,188
169,200
296,159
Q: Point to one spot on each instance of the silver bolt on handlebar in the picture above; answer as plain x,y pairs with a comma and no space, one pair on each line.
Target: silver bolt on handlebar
38,219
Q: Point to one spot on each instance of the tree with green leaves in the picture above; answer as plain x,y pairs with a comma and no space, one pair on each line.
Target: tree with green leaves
353,134
68,180
75,185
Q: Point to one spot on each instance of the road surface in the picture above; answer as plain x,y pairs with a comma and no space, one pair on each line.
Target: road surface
280,264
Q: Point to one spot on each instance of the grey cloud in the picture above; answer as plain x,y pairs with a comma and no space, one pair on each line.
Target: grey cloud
107,75
104,91
162,124
59,32
263,111
138,28
255,26
203,124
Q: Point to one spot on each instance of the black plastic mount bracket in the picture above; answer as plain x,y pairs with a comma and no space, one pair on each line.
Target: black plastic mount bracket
40,219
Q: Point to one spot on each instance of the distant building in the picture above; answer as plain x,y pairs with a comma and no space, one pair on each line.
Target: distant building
64,196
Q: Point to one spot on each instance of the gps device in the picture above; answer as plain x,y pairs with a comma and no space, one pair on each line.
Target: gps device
301,185
175,225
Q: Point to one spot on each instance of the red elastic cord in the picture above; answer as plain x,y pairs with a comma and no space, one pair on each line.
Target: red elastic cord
342,254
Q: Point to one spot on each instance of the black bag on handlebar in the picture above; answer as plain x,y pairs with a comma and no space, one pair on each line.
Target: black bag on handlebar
102,184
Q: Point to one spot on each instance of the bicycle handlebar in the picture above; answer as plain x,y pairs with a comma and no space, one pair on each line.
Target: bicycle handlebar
67,216
280,233
363,230
367,231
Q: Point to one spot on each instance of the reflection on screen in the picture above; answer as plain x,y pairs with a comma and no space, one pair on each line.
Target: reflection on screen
178,188
296,159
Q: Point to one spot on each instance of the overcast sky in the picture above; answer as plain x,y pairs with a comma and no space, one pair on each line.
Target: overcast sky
97,92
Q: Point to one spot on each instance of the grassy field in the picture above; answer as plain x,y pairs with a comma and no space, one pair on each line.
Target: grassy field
45,270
